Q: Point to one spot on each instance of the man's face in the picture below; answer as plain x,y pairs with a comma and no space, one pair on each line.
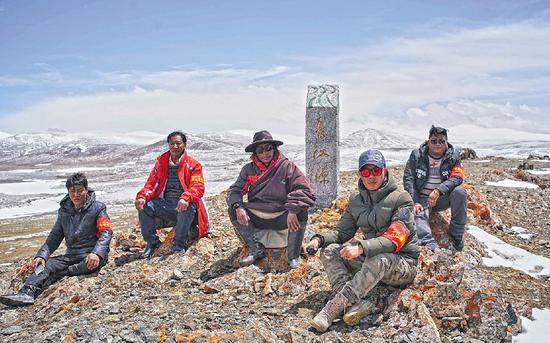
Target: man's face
77,194
176,146
375,178
264,152
437,145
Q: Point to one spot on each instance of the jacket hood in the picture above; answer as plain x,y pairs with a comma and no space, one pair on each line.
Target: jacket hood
68,207
389,186
448,153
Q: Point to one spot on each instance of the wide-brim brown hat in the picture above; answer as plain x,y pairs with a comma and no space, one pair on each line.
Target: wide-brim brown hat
262,137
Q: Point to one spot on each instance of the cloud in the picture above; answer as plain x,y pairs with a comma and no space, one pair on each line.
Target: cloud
488,76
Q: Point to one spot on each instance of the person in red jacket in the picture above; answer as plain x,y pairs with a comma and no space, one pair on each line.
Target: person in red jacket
172,196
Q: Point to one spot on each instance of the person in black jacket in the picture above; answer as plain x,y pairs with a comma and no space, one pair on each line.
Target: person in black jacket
432,177
84,224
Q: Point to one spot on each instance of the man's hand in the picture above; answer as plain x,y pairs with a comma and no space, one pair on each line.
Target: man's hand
92,261
417,209
311,248
432,198
139,203
242,217
351,251
37,261
182,206
292,222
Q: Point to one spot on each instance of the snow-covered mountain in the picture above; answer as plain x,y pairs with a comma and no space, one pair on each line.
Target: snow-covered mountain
375,139
113,148
55,146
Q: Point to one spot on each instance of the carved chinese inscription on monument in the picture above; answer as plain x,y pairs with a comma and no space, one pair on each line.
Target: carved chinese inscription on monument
322,154
319,153
320,129
322,177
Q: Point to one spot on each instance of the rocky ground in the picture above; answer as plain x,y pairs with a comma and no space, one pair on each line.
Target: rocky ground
200,296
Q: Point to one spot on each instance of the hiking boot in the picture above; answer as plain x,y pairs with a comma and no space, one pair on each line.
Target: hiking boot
177,249
458,244
432,246
358,311
149,250
25,297
250,259
294,263
332,310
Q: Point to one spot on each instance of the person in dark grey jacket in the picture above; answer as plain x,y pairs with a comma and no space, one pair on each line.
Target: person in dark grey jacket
432,177
84,224
278,196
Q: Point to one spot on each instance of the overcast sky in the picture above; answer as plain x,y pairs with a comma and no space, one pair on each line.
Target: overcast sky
206,66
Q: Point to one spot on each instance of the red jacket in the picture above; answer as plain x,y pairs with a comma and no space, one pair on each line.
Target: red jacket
192,181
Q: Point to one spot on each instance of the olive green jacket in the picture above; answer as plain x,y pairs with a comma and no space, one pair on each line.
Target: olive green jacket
374,212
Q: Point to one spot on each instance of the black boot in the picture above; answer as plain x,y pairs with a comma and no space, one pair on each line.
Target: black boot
458,244
176,249
255,249
251,258
25,297
149,250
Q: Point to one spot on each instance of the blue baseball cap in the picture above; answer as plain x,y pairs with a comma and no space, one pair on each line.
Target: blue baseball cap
373,157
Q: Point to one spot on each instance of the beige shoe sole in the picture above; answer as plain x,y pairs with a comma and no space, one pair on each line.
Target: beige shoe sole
354,316
317,326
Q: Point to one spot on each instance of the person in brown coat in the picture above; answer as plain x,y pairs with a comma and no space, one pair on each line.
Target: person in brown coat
278,197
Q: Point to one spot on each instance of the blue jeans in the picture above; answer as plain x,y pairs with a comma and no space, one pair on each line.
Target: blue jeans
161,213
457,200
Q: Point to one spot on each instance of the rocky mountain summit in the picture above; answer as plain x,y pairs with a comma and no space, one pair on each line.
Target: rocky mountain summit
201,296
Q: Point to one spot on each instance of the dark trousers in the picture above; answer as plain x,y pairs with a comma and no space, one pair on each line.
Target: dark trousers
457,201
161,213
56,268
247,234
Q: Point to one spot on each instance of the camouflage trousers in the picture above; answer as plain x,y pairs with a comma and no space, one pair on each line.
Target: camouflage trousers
355,278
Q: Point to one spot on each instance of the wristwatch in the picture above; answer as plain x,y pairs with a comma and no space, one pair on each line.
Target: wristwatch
236,205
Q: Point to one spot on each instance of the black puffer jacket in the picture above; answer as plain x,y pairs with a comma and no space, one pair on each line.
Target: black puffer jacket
87,230
418,168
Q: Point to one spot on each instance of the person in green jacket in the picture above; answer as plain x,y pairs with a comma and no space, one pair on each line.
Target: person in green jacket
387,253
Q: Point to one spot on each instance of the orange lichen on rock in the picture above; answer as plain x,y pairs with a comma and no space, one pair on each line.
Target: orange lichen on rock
479,205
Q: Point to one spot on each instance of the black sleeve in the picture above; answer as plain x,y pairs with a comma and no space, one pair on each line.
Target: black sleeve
409,176
53,241
105,231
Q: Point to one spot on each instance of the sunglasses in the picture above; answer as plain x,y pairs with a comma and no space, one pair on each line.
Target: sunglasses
435,141
366,172
261,149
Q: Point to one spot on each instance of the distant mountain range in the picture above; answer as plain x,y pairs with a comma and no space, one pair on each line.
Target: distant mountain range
90,147
376,139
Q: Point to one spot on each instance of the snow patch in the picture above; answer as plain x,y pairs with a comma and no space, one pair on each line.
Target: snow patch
33,187
536,330
502,254
35,207
521,232
543,171
481,161
79,169
31,235
512,183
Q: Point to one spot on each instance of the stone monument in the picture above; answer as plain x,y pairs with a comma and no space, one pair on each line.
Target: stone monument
322,142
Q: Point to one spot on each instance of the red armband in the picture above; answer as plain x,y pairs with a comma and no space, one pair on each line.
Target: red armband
457,171
398,234
102,224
